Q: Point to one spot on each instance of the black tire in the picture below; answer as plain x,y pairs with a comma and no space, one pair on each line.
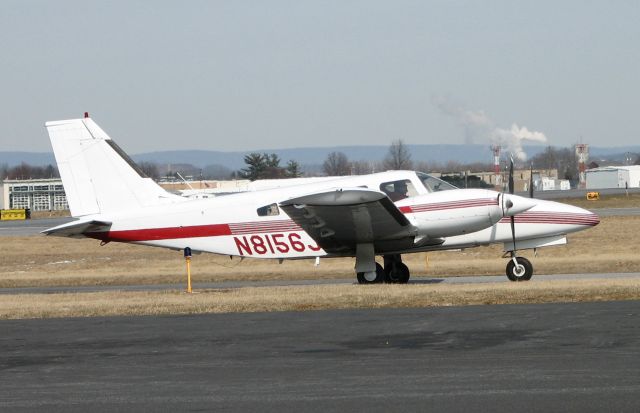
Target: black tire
397,273
380,276
512,273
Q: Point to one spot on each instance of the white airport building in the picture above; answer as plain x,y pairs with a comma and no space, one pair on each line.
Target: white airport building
613,177
35,194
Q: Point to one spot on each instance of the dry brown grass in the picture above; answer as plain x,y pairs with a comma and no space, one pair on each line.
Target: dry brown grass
315,297
605,201
49,214
52,261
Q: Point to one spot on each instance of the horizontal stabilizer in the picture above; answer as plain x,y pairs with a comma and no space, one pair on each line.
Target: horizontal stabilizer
77,229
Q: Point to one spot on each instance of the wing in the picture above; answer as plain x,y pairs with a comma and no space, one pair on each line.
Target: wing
340,219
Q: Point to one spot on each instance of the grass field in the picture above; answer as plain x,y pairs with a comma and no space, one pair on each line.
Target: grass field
605,201
312,297
51,261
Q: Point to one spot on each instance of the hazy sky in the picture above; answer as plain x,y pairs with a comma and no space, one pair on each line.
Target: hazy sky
242,75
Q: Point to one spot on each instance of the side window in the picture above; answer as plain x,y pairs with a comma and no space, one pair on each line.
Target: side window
397,190
268,210
433,184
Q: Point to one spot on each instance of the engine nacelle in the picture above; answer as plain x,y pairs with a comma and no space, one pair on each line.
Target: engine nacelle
449,213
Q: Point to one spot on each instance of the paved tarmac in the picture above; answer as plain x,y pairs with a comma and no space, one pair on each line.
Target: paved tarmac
550,357
23,228
479,279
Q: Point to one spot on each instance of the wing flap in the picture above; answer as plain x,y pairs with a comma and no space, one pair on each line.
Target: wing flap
339,219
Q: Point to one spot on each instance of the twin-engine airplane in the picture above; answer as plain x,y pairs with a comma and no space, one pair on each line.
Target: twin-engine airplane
383,214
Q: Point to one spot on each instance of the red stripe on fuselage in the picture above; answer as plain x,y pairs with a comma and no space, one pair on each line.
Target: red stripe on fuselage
196,231
154,234
441,206
565,218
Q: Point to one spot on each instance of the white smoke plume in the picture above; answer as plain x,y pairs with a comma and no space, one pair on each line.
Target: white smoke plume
513,138
477,125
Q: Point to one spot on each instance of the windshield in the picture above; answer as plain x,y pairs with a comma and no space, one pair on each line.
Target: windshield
434,184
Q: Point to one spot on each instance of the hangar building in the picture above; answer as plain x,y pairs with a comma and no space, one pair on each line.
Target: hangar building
36,194
613,177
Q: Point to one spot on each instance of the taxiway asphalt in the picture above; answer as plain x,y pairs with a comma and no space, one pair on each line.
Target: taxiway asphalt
547,357
479,279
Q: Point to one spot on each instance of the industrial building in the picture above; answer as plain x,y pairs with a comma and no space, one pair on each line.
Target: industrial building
35,194
613,177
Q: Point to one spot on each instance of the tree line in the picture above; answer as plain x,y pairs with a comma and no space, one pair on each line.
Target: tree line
268,166
26,171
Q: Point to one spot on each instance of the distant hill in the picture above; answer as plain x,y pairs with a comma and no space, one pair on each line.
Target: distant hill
31,158
315,156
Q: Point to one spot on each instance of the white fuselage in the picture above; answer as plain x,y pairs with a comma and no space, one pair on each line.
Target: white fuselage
231,225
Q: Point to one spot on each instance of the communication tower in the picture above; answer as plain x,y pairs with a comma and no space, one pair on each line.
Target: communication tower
496,165
582,153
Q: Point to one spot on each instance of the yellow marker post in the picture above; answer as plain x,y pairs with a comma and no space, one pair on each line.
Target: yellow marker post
187,257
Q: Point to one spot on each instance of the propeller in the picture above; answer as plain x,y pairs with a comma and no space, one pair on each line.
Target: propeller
512,205
513,217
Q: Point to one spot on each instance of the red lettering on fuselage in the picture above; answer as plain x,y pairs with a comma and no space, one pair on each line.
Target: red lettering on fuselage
261,244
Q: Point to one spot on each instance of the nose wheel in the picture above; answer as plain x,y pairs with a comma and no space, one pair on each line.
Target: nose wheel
519,269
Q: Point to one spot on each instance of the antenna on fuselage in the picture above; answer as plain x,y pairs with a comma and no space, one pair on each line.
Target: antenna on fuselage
184,180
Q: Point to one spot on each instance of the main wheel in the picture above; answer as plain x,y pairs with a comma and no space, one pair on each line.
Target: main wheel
522,272
397,273
371,277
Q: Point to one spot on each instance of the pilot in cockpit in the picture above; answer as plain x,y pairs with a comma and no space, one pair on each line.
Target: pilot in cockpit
399,191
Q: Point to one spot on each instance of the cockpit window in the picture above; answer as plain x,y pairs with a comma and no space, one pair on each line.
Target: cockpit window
397,190
268,210
434,184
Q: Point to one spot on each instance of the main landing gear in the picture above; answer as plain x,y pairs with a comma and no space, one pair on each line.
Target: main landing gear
519,269
393,272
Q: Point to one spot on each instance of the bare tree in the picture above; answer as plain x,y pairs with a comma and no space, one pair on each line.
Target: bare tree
215,171
26,171
150,169
425,166
336,164
398,156
362,167
562,159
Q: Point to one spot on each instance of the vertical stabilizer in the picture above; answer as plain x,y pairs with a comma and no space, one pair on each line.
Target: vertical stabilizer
98,177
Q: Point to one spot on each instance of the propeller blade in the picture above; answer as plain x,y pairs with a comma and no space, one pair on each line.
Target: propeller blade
511,185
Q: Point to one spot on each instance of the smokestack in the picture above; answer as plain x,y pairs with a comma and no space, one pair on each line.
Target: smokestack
582,152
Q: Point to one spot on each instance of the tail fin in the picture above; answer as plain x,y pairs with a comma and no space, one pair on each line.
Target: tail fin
97,175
